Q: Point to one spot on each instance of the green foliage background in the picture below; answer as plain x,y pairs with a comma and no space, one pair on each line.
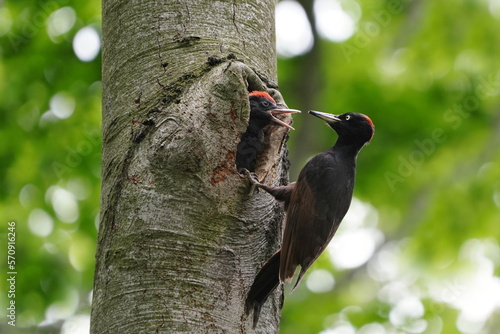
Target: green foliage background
428,75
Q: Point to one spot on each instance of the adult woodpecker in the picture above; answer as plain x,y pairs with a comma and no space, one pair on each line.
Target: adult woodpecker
263,110
315,205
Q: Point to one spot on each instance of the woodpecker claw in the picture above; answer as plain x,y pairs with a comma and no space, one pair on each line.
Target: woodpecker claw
253,179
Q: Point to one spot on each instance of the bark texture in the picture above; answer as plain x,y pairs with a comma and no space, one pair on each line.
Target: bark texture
180,238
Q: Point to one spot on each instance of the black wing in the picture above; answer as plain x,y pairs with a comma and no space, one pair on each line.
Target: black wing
318,204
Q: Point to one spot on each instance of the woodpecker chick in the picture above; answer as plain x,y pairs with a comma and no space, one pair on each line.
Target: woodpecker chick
315,205
263,111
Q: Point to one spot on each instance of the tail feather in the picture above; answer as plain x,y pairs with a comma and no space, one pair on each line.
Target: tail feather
299,278
265,282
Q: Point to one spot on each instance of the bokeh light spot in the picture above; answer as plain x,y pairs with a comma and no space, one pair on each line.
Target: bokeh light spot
373,328
320,281
360,214
62,309
62,105
392,64
406,312
332,21
353,248
294,36
384,265
343,328
65,205
469,61
60,22
494,7
87,44
40,223
47,118
77,324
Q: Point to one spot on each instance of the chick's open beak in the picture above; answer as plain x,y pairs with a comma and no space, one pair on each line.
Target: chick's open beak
283,111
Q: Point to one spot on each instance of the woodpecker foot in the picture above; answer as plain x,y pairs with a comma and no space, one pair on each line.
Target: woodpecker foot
253,179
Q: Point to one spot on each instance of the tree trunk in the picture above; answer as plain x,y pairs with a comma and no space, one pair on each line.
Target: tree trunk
180,238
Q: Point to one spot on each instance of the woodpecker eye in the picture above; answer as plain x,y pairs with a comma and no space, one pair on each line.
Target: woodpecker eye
266,103
348,117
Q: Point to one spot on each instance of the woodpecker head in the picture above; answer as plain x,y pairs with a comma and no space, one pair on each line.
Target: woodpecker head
263,110
351,126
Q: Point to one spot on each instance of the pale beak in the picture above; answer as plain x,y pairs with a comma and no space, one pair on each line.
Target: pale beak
283,111
329,118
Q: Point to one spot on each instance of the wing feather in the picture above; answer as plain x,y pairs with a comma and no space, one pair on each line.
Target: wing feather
311,222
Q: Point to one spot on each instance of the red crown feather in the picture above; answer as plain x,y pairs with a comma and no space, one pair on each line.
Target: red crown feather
262,94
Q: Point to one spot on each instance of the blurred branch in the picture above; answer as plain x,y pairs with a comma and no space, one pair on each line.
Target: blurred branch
306,89
413,21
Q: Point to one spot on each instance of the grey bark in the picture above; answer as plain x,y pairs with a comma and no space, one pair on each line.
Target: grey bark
180,238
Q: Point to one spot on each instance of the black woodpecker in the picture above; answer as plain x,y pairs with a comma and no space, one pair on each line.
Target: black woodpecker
315,205
263,109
